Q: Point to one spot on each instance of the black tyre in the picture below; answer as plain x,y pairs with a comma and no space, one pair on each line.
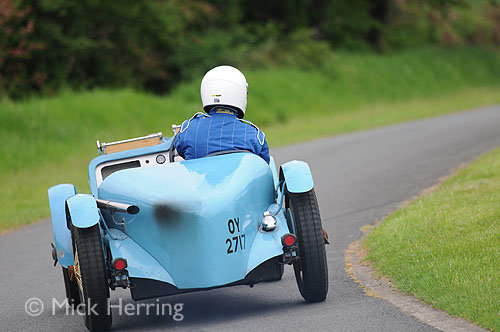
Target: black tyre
90,272
72,291
281,269
311,270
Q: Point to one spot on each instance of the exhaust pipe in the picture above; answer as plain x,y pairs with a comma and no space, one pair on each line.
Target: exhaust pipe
117,207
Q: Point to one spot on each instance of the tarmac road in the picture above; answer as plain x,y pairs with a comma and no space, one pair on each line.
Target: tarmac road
359,178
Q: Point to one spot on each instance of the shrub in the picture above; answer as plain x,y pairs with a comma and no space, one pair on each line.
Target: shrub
445,22
153,45
16,47
85,44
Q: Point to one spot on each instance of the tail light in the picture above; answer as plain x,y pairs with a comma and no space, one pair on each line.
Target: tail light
289,240
119,264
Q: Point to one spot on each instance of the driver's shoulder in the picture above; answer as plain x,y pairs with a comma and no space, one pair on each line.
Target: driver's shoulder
195,117
259,134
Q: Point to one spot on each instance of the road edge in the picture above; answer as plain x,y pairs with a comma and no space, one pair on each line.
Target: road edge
364,274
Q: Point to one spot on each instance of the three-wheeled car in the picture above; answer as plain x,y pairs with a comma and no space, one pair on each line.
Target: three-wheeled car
161,226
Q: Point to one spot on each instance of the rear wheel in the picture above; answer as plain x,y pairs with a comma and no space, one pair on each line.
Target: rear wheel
91,277
71,285
311,271
281,270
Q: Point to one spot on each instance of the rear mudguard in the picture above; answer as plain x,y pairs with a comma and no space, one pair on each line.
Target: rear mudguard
297,176
83,210
62,235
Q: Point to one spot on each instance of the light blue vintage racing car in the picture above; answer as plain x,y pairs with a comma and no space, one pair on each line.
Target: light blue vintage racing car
160,226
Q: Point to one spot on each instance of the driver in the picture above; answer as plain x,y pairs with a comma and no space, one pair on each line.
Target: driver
224,92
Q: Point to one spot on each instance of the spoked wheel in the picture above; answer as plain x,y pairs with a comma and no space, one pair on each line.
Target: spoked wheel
71,285
311,270
91,277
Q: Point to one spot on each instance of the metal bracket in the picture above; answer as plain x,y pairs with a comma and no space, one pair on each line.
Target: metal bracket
148,140
280,198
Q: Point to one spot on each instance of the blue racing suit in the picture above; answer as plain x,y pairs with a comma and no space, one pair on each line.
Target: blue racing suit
219,130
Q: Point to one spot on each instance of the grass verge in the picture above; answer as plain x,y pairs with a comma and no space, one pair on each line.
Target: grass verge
51,140
444,247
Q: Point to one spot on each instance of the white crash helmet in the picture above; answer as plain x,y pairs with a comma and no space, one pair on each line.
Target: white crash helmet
224,85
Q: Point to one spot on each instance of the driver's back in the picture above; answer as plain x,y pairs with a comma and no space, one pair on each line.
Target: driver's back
220,130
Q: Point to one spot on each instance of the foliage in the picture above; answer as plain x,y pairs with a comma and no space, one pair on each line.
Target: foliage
86,44
17,45
47,45
413,23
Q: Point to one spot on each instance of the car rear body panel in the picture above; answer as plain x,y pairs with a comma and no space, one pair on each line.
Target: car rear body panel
199,219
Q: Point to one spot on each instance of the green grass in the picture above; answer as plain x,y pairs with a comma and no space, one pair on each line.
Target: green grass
51,140
445,247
